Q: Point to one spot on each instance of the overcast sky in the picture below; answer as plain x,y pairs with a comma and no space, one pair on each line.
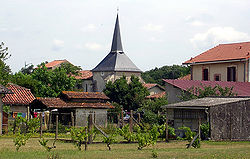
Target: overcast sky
154,32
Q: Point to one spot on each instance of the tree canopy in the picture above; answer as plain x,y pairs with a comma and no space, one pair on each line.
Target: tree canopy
44,82
166,72
4,68
130,95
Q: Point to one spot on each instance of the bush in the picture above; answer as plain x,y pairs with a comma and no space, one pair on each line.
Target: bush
205,131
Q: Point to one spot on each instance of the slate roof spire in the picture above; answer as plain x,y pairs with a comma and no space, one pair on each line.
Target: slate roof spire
116,60
117,42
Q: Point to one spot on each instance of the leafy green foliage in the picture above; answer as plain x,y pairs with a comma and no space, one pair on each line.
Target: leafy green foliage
189,135
24,130
205,131
150,109
128,95
20,139
206,91
79,135
44,143
4,68
46,83
166,72
154,154
109,140
126,134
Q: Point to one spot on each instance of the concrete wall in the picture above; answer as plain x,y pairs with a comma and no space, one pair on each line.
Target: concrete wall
86,85
222,70
18,108
155,90
173,93
81,116
230,121
101,78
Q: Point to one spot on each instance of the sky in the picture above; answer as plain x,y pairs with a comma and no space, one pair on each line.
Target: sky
154,33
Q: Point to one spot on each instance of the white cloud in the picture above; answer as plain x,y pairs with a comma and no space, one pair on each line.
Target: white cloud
197,23
216,35
89,28
93,46
153,28
57,44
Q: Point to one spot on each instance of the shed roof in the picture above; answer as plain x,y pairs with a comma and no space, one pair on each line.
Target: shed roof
59,103
241,88
20,96
84,95
55,63
84,74
205,102
223,52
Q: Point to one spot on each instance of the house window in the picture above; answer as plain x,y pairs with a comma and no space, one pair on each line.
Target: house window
217,77
205,74
231,74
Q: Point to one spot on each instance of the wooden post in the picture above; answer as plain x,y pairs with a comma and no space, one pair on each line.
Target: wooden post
28,112
90,127
122,117
139,118
167,129
41,125
50,119
72,119
118,120
94,118
86,142
199,128
56,127
131,121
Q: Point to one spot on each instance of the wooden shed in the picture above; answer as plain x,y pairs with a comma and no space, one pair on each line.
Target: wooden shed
229,118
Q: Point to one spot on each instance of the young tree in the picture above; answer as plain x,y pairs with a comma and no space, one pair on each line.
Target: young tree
4,68
129,95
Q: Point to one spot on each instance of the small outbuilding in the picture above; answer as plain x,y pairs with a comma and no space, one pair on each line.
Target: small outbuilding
78,104
229,118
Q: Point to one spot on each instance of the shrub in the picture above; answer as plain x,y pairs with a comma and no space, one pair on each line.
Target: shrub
205,131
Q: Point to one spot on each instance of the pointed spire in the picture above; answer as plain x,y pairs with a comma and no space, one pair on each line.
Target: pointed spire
117,43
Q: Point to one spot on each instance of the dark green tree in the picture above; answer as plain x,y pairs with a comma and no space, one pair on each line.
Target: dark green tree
166,72
44,82
207,91
130,95
4,68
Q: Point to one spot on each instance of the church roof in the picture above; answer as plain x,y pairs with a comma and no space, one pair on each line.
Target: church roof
116,60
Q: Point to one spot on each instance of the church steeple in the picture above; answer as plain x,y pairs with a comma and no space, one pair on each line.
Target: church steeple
116,42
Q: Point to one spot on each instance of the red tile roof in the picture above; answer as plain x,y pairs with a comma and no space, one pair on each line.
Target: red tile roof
241,88
84,74
149,85
59,103
84,95
158,95
20,96
223,52
55,63
187,77
4,90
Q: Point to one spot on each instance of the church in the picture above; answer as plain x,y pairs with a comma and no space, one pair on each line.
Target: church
115,64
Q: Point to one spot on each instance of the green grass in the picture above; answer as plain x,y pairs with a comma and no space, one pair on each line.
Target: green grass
174,149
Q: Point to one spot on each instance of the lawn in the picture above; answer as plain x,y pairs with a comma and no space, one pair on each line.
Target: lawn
174,149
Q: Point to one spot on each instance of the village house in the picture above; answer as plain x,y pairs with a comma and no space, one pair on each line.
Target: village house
55,64
78,104
3,91
175,88
228,117
155,90
19,100
225,62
